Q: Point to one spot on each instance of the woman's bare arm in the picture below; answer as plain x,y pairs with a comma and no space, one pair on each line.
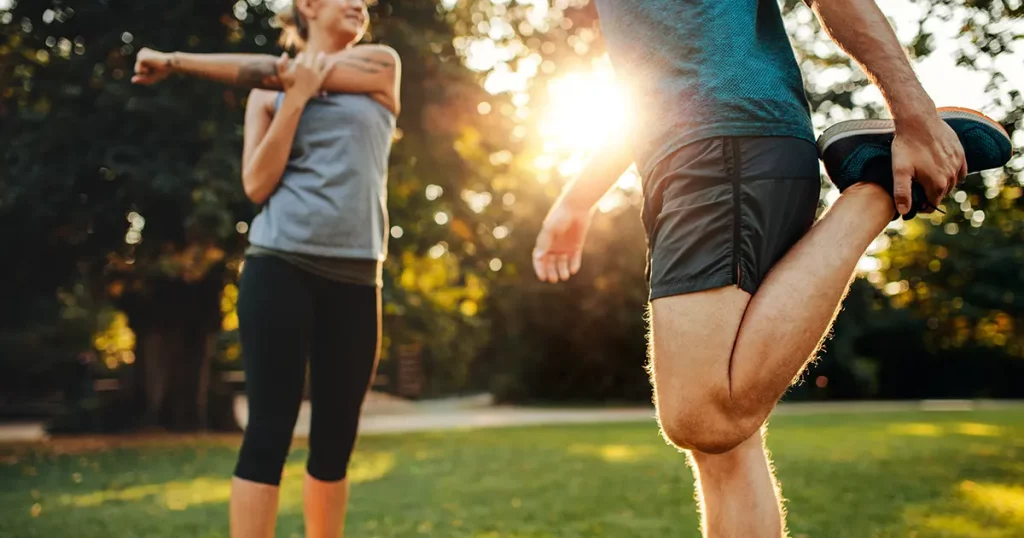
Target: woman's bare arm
369,69
267,142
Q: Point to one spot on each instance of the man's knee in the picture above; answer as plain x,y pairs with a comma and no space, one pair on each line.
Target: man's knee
703,433
693,348
700,412
707,422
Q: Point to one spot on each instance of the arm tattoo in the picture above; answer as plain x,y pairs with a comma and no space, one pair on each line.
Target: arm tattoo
258,74
373,61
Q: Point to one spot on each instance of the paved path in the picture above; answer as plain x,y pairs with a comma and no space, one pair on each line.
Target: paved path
22,432
386,416
498,417
474,413
460,413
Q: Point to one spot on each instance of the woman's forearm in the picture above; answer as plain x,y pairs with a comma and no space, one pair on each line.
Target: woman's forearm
244,70
370,70
262,173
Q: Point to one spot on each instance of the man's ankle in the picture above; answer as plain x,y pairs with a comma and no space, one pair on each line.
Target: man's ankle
867,188
870,198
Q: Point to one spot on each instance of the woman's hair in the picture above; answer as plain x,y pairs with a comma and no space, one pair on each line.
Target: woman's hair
294,28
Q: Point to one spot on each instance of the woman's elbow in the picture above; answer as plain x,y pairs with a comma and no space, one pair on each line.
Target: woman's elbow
253,189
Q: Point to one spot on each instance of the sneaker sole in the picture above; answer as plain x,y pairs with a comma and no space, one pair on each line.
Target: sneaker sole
850,128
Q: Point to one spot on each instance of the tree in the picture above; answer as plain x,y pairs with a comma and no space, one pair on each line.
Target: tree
944,287
851,365
134,192
128,197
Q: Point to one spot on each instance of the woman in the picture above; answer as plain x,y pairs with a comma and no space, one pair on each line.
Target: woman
318,133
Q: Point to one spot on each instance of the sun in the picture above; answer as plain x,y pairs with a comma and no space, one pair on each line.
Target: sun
584,109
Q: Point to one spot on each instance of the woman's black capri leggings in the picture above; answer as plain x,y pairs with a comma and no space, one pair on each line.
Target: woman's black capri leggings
285,315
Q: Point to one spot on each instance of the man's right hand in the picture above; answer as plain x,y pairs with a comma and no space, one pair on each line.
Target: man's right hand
926,151
559,251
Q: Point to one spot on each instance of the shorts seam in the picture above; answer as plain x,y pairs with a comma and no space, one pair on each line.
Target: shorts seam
737,205
744,269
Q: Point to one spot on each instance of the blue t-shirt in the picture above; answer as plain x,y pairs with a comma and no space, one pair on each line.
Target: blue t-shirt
699,69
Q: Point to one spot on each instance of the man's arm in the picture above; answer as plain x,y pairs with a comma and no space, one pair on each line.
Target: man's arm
598,176
861,30
559,249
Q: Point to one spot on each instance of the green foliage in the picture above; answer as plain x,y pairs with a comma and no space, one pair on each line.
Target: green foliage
582,340
134,191
954,283
882,346
123,189
132,195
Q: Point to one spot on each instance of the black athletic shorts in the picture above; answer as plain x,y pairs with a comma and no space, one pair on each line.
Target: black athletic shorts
723,211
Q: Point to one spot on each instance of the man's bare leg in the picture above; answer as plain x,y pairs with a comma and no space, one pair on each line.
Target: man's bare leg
737,492
721,359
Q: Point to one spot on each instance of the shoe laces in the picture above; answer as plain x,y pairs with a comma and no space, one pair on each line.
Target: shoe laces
929,205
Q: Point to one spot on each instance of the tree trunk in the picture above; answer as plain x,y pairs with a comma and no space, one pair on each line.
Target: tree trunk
172,384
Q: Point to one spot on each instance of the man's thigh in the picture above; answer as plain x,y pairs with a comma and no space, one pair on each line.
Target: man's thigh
692,340
719,214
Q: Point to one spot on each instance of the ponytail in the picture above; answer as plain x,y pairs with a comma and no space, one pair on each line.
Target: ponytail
294,28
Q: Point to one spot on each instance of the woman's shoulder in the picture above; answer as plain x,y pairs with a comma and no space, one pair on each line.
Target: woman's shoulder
382,65
382,54
375,48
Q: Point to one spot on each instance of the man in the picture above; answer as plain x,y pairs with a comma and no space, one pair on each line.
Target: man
743,283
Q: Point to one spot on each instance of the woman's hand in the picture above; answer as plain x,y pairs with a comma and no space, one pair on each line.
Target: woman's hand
303,76
152,66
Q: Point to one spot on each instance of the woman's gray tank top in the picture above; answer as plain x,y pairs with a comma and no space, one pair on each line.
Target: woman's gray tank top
332,200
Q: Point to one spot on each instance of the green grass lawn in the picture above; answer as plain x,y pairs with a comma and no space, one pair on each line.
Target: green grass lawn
883,475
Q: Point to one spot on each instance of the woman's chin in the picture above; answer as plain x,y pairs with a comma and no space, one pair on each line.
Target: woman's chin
348,33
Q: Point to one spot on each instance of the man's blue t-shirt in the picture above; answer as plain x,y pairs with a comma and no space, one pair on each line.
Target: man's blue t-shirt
699,69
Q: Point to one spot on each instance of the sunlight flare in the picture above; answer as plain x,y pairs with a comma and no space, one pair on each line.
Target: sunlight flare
585,109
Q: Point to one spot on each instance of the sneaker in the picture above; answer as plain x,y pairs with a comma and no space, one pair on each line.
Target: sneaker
860,150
